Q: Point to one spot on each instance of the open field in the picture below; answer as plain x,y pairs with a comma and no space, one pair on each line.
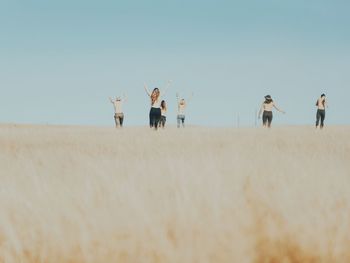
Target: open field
196,195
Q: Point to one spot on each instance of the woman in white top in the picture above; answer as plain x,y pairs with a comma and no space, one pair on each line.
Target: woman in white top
181,108
155,112
266,109
118,110
321,105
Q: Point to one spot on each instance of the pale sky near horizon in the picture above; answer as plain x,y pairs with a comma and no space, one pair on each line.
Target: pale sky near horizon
61,60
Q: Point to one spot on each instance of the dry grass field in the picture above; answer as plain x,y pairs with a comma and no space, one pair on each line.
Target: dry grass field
194,195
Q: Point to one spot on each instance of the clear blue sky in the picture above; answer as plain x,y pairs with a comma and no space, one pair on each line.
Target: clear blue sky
61,60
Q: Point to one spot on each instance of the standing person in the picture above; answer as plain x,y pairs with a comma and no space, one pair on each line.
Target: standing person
266,109
181,108
155,112
118,110
321,105
163,109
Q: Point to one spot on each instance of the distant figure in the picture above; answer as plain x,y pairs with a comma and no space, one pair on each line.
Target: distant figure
266,109
118,110
163,110
321,105
155,112
181,108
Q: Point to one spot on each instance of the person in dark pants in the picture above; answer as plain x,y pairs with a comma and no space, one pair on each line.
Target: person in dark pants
163,109
321,105
266,109
155,112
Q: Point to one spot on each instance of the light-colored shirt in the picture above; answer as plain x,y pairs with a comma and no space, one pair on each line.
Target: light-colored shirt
163,111
157,102
267,106
118,106
181,109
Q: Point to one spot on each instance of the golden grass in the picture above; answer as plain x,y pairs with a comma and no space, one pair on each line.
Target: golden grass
85,194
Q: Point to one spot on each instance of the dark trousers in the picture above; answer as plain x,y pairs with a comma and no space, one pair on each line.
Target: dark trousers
154,117
162,121
267,118
321,114
119,118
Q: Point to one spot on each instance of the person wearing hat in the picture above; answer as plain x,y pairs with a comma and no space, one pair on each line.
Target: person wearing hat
266,110
321,105
118,110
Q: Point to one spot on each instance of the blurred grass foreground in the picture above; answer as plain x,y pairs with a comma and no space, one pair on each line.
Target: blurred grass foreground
89,194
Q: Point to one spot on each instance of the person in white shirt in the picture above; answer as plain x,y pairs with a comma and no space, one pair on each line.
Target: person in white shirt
155,112
163,109
266,109
181,108
321,105
118,110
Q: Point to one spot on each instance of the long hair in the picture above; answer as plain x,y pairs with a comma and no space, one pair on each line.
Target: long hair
163,105
154,95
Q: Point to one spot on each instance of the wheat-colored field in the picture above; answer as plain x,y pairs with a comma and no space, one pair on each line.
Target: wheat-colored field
88,194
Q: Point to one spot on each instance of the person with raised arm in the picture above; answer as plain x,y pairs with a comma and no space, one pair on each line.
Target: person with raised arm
321,105
266,110
181,109
156,99
118,110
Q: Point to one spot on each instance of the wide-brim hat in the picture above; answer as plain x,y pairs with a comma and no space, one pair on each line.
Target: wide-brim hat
268,97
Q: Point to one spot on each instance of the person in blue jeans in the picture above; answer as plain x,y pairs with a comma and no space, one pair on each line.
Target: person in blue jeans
181,108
